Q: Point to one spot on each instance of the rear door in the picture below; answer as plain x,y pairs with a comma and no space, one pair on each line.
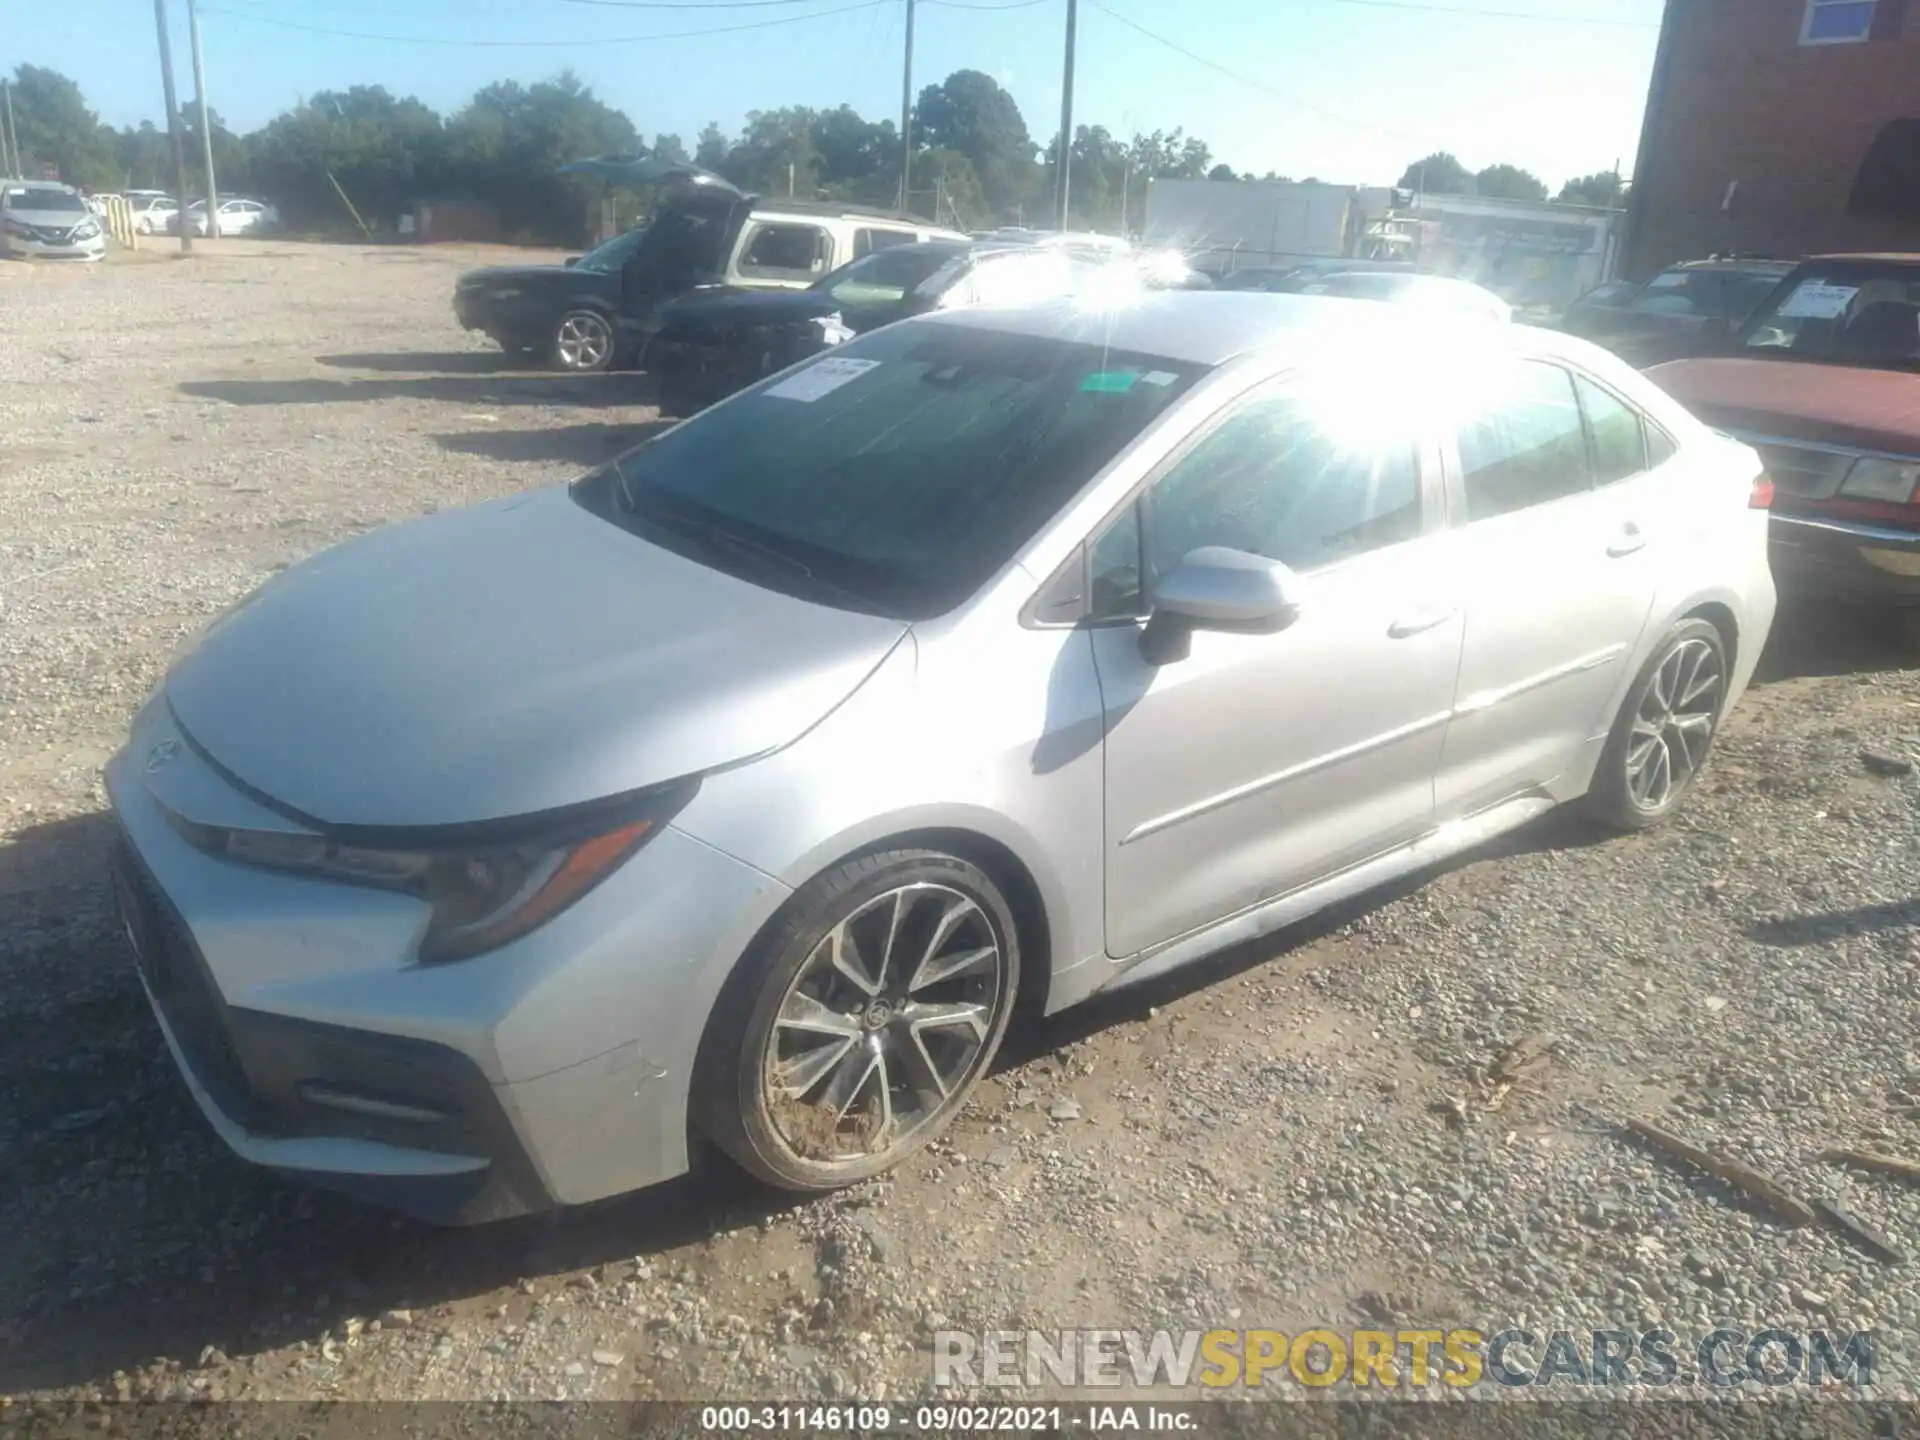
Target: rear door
1557,578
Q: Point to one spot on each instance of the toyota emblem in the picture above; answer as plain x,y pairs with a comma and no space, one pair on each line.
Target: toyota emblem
161,755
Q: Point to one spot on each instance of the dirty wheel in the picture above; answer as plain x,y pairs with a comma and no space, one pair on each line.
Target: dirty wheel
855,1031
583,342
1664,730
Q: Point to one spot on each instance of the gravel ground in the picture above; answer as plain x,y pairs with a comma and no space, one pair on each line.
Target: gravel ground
1307,1133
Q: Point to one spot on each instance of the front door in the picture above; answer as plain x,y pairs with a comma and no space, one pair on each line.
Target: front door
1557,577
1260,762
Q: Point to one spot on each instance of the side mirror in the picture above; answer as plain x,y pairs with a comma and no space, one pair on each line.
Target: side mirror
571,261
1215,588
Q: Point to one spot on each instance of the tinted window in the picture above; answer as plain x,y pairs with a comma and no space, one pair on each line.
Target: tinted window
884,278
1614,428
785,252
1271,481
1851,312
1115,567
1660,446
895,474
1526,447
866,241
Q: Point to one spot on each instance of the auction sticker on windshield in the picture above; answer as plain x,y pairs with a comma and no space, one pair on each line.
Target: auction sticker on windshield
1816,301
821,379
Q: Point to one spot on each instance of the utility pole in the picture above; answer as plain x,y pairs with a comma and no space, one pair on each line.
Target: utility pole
906,117
16,166
1062,185
173,125
206,131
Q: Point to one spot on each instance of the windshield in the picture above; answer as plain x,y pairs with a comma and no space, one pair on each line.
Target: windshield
1713,294
894,475
1846,313
608,258
45,200
886,276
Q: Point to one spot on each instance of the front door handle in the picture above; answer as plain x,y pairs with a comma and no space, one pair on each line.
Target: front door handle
1627,541
1419,623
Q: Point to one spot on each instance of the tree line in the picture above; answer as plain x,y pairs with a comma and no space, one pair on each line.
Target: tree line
975,162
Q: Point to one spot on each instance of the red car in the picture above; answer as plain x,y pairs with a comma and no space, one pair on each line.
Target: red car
1824,380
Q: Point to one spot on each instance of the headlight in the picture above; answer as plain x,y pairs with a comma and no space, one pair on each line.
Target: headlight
86,230
482,894
1871,479
15,227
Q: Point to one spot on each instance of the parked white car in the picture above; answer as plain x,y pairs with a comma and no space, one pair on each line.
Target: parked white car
237,217
43,219
153,214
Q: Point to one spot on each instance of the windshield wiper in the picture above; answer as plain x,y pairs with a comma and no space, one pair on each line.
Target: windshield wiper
719,537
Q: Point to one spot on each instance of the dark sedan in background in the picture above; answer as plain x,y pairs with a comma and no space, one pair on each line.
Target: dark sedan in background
1824,381
706,345
1687,309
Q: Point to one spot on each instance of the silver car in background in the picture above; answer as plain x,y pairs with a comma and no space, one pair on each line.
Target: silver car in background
738,792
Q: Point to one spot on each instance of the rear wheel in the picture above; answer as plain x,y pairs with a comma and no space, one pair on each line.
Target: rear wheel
583,342
1663,732
855,1030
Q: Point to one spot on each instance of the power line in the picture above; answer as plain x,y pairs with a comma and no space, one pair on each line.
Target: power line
554,44
686,4
966,5
1247,80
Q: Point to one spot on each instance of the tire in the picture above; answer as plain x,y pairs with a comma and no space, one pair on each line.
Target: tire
1664,732
583,342
799,1050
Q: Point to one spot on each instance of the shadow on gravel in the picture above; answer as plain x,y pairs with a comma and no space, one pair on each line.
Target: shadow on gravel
49,857
579,444
1836,924
1812,639
465,362
1561,829
481,391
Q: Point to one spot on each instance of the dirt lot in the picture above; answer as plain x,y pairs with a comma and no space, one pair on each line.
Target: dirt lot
1302,1134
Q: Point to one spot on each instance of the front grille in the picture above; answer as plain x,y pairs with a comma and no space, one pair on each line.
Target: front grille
1805,474
176,975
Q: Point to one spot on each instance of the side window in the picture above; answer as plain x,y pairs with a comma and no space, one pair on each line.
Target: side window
786,252
866,241
1660,446
1526,447
1114,564
1269,480
1614,430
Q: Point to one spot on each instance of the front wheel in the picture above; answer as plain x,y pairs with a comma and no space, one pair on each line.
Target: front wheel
583,342
853,1032
1663,732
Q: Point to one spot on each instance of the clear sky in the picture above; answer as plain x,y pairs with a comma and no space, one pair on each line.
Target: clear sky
1344,90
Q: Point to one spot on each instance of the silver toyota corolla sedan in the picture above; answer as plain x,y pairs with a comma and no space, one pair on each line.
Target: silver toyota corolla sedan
738,792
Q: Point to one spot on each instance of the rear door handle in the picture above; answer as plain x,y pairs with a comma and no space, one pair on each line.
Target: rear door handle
1419,623
1627,541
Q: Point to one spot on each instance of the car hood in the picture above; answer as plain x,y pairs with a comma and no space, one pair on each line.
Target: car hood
1791,400
499,661
51,219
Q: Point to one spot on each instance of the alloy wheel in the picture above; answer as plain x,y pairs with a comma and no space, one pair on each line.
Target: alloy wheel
1673,725
884,1025
584,342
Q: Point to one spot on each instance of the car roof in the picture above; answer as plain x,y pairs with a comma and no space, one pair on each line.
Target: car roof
1884,257
1752,264
1211,327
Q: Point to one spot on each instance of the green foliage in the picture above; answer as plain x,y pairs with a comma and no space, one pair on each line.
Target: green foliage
1509,182
1438,174
1603,189
970,113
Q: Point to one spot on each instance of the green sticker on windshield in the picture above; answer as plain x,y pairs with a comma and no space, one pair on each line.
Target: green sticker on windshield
1109,382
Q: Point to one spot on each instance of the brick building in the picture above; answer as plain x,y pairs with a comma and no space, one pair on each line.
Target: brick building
1788,127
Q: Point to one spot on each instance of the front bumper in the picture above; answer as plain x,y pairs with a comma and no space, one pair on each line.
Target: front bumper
551,1072
33,247
1845,559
